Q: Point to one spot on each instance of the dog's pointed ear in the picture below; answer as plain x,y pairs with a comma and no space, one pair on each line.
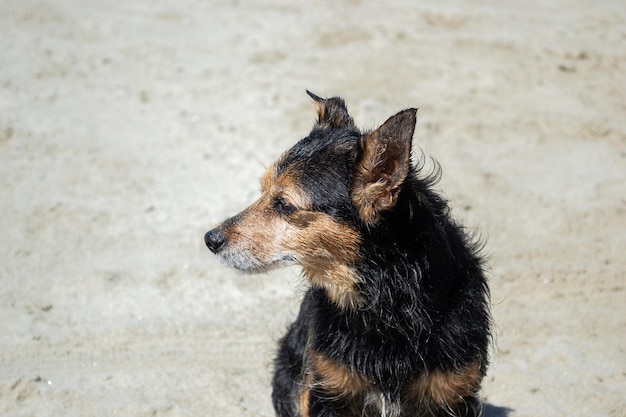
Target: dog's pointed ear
332,113
383,162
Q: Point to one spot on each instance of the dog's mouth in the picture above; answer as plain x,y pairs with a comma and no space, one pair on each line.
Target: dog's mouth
248,263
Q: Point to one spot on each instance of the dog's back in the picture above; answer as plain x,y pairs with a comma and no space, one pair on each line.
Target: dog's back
396,321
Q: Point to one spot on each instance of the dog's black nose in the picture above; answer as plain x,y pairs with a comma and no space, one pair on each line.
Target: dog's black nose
214,240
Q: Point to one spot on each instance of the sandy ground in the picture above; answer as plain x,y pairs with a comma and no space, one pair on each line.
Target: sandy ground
128,129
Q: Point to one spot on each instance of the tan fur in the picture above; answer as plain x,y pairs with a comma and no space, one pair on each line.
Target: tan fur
383,165
438,389
303,399
335,379
325,250
433,390
373,190
285,185
339,286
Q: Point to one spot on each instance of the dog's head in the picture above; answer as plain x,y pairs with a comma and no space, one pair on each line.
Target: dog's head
317,198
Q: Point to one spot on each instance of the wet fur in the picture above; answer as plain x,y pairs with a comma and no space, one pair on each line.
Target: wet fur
396,320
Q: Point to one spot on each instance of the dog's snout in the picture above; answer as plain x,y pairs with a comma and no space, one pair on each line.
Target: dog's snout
214,240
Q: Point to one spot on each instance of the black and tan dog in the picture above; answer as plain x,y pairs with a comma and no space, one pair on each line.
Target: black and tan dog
396,320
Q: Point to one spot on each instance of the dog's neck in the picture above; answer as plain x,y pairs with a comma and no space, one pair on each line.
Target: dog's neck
340,285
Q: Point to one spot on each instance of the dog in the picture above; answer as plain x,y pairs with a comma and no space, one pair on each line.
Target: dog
395,321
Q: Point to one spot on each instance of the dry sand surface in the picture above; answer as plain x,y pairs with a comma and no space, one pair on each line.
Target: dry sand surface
128,129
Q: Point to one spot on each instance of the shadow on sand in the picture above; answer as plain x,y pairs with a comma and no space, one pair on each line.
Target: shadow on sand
490,410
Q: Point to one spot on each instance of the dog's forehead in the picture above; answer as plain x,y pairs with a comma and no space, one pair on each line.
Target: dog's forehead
315,172
322,149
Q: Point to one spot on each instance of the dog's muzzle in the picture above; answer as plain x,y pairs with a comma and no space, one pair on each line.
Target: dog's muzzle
214,240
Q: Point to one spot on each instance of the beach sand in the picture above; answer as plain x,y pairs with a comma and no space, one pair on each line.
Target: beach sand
129,129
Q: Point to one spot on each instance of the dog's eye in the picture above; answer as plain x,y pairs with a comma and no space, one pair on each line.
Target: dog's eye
283,207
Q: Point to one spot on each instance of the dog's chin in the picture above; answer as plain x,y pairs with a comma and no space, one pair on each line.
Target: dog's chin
251,265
